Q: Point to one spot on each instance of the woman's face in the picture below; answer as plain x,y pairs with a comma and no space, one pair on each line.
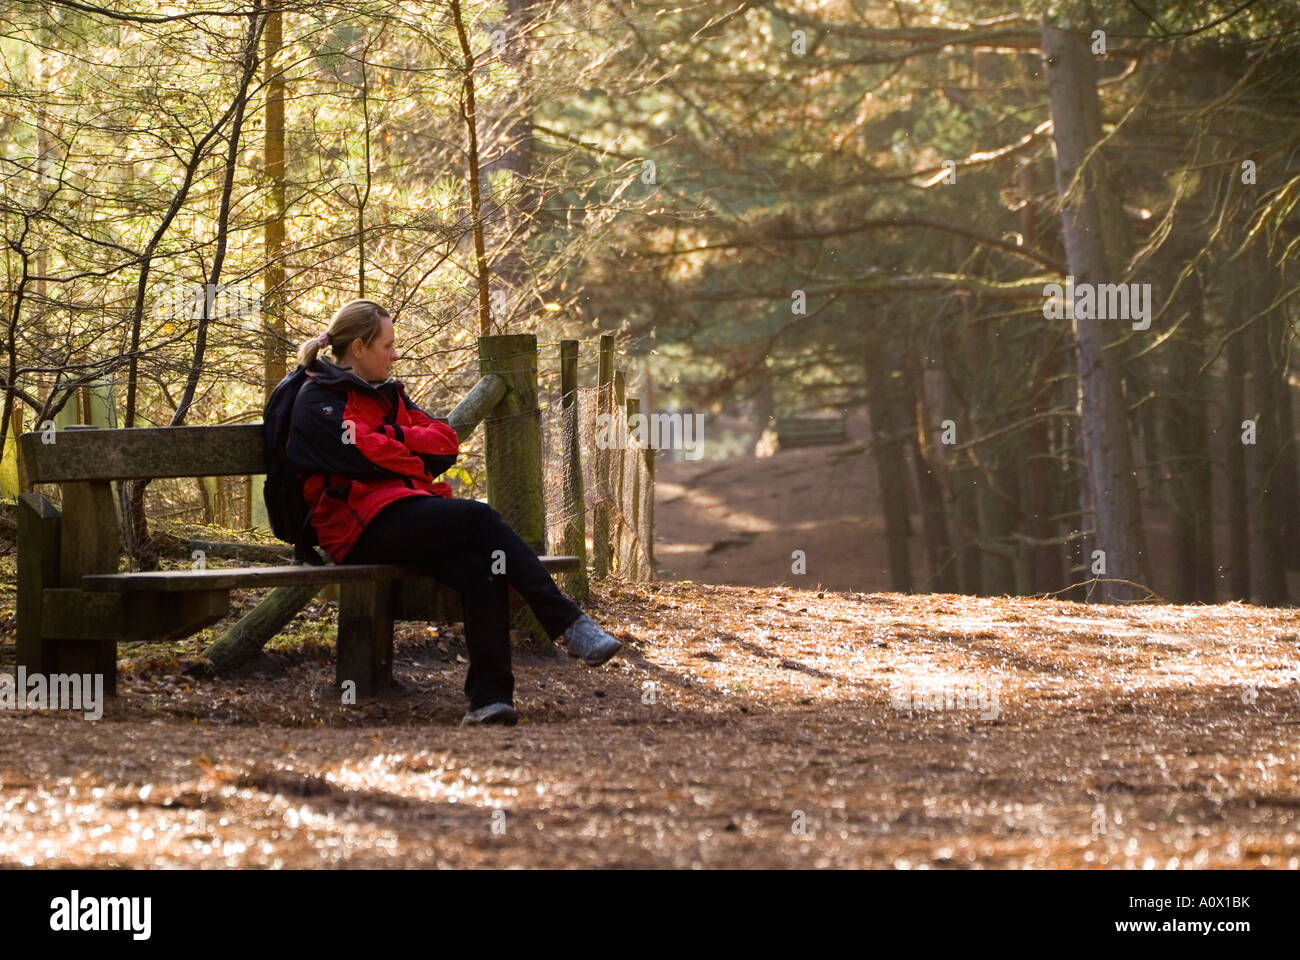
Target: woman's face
374,362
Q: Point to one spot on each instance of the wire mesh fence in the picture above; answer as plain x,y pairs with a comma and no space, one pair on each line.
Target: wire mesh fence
598,484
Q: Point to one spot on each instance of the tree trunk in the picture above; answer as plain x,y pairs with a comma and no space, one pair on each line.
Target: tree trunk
964,481
1042,476
964,477
205,501
1042,471
469,116
934,520
1187,442
764,403
274,293
1266,339
273,233
1089,229
1288,486
1234,451
256,628
997,529
1073,502
514,114
884,406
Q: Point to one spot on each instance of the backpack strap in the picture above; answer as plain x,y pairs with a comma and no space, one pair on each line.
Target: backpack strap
303,553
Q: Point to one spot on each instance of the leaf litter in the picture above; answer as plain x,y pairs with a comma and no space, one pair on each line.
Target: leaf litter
740,727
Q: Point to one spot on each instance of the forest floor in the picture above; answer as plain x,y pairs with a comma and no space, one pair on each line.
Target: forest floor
742,727
745,725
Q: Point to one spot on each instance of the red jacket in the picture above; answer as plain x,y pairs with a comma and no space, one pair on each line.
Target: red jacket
362,446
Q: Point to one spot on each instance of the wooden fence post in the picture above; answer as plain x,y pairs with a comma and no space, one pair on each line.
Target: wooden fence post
617,468
600,546
647,531
574,536
512,450
632,496
512,437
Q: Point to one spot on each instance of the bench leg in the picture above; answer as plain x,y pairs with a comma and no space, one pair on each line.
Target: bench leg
89,656
365,643
39,525
44,645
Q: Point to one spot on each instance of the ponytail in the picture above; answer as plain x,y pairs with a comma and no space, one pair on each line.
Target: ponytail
355,320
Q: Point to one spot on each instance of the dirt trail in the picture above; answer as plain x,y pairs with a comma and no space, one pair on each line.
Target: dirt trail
744,728
738,521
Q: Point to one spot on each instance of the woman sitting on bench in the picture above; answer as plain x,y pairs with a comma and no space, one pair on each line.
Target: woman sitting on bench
371,456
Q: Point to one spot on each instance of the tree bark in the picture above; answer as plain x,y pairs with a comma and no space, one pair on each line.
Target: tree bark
1288,486
273,233
256,628
470,117
1042,473
884,406
516,153
926,464
1089,230
1266,343
274,294
1234,451
1187,442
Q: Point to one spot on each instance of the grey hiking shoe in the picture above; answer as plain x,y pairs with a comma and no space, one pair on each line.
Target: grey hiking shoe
586,640
492,713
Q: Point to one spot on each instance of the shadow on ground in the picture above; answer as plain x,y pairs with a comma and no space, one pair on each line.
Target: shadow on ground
743,727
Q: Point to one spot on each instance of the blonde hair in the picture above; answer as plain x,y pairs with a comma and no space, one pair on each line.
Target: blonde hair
355,320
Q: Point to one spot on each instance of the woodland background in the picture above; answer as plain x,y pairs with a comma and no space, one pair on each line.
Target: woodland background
780,207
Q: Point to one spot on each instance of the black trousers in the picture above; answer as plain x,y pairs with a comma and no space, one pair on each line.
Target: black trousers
457,541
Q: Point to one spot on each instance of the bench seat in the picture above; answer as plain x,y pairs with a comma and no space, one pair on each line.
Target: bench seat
171,604
228,578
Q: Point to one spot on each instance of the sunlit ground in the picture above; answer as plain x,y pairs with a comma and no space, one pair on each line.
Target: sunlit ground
744,727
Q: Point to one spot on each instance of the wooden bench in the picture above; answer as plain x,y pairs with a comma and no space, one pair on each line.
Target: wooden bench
74,607
810,430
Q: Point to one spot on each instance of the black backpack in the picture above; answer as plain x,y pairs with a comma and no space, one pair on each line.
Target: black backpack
286,505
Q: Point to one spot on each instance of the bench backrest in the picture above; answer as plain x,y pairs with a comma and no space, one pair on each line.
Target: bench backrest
80,453
85,453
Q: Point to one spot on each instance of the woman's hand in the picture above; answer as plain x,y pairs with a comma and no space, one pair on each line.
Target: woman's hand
425,434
